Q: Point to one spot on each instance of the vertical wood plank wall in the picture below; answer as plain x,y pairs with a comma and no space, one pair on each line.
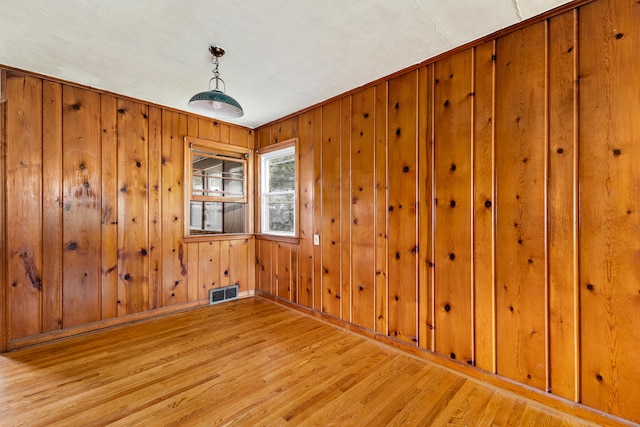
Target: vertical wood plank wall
487,205
484,206
94,212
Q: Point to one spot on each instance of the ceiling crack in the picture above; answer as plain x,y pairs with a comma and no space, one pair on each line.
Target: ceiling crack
435,24
516,4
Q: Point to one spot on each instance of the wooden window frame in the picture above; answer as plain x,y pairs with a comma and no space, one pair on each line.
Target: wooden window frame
267,150
217,149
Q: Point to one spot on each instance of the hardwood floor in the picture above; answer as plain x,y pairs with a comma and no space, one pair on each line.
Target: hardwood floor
247,362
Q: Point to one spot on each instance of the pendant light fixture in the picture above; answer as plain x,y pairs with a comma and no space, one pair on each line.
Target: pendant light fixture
216,102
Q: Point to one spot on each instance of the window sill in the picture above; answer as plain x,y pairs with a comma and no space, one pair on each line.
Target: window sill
217,237
276,238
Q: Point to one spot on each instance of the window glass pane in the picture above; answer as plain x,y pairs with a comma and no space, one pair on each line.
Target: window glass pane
233,219
195,214
217,217
233,173
217,177
213,216
279,210
281,174
206,217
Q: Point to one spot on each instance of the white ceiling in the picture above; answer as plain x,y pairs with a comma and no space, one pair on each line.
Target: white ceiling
282,55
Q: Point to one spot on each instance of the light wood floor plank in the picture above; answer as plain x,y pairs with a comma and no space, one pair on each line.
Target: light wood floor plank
243,363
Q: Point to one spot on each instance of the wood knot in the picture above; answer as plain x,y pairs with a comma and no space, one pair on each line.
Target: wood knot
487,204
559,151
453,167
76,106
121,110
366,115
452,204
452,256
447,308
599,378
143,252
127,276
619,36
138,164
405,169
398,132
453,356
617,152
590,287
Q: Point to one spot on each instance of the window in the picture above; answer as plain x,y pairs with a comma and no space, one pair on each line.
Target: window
278,189
216,188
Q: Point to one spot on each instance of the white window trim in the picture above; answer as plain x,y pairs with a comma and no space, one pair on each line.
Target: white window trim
264,154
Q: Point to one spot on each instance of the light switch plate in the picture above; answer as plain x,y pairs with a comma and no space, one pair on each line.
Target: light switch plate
316,239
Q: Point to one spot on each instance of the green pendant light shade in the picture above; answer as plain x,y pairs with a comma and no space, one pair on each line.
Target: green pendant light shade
215,102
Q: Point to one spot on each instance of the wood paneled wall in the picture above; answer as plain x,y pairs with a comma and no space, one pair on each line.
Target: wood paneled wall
94,212
485,207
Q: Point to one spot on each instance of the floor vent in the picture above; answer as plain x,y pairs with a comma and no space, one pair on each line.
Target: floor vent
223,294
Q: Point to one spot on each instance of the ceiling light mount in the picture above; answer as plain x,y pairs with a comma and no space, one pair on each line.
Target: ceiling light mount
216,51
215,102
